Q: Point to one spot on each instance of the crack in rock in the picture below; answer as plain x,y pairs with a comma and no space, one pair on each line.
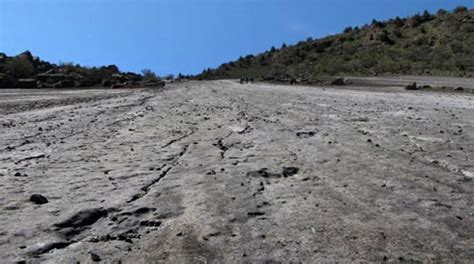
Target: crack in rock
222,147
83,218
178,139
40,156
145,189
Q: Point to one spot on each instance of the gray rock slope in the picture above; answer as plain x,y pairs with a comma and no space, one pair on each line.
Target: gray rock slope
220,172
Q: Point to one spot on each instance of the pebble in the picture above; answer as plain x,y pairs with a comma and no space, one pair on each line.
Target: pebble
95,257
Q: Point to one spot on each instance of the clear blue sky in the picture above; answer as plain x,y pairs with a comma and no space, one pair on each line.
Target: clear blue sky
172,36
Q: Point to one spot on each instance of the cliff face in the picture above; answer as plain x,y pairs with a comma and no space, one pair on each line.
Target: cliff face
424,44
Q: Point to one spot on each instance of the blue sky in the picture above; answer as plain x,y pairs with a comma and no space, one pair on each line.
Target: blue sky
172,36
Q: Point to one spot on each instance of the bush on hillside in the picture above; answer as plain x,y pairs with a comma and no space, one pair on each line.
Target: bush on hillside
460,9
441,12
398,22
149,75
426,16
19,68
378,24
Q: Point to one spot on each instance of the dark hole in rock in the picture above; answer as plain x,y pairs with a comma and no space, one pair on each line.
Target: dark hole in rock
144,210
289,171
95,257
256,213
150,223
263,173
38,199
305,134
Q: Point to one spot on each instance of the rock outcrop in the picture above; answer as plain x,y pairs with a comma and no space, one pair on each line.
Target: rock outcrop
28,71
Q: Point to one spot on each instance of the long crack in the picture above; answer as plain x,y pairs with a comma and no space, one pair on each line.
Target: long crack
145,189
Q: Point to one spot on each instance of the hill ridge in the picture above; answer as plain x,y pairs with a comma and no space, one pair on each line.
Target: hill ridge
423,44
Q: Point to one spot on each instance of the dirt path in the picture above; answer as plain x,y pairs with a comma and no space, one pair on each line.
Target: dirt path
222,172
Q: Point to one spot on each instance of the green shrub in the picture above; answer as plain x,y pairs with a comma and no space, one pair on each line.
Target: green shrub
426,16
460,9
378,24
442,12
417,19
169,77
70,67
385,38
19,68
398,22
149,75
397,33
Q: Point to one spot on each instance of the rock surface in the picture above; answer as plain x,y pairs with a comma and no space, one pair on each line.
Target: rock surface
221,172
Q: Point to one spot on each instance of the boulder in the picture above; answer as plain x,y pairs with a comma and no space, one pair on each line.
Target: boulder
338,81
154,84
43,85
74,76
132,83
53,77
26,56
85,82
26,83
108,83
3,60
38,199
117,85
119,77
133,76
110,69
412,86
67,83
7,81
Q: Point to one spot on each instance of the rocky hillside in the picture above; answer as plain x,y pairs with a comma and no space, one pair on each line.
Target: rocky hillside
423,44
28,71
